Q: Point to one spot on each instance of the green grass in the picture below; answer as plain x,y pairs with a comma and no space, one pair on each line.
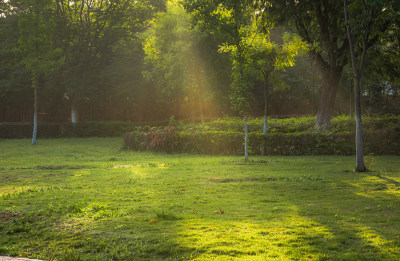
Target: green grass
86,199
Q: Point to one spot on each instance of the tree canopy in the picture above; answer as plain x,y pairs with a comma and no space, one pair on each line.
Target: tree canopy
148,60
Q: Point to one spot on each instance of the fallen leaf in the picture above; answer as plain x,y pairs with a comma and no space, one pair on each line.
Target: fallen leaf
182,189
153,220
309,256
219,211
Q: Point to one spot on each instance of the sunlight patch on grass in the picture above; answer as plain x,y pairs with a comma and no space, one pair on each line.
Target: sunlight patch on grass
128,166
246,240
370,186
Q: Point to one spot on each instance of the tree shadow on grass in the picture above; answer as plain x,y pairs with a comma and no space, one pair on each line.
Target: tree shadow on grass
325,220
359,220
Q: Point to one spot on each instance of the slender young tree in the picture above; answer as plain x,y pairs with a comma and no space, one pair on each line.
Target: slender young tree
365,26
357,71
35,44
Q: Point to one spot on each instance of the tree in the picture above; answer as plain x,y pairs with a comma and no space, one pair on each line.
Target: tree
36,45
261,60
15,89
364,29
254,56
319,23
169,54
92,32
179,61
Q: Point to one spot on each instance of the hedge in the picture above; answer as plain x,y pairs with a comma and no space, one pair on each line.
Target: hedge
57,130
292,136
309,142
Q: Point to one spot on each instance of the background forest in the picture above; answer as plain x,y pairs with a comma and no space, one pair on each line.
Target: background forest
148,60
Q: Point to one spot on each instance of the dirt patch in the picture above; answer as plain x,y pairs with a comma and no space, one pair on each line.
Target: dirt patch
59,167
8,216
219,180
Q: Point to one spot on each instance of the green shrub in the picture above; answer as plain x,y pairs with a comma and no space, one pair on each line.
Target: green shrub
15,130
25,130
56,130
97,129
294,136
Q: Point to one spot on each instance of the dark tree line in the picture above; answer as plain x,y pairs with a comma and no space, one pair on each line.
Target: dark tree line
88,60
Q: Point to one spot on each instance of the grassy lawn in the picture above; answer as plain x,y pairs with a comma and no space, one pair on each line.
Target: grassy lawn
86,199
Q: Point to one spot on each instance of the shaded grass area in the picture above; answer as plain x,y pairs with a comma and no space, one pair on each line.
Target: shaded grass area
86,199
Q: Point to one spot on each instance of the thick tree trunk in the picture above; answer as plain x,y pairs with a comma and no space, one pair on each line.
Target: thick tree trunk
35,109
74,112
327,100
246,140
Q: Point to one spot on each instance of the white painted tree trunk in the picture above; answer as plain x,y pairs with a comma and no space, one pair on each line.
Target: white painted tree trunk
246,139
35,118
265,127
265,124
74,113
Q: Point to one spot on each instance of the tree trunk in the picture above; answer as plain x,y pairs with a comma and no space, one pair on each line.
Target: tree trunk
265,104
327,100
351,103
246,139
313,88
74,112
35,80
201,103
35,106
200,90
265,127
360,166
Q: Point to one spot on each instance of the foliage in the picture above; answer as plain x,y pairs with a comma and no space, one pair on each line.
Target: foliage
181,63
169,53
294,136
55,130
85,199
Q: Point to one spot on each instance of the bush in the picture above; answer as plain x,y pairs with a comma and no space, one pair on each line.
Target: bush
56,130
25,130
96,129
294,136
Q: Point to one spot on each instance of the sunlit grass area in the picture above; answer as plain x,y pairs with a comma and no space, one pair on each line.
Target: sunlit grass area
86,199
